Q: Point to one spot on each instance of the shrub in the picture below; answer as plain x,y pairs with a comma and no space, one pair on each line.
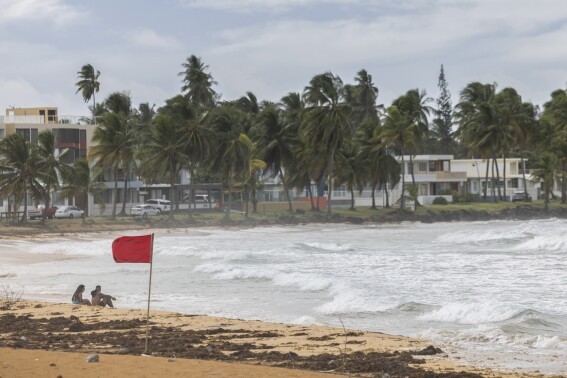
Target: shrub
440,201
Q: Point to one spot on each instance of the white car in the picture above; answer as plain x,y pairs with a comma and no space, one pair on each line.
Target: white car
163,205
69,212
144,211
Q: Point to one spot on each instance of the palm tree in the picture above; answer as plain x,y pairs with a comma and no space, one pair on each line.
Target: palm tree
365,94
350,169
544,173
232,150
114,142
20,172
397,132
198,138
277,144
78,181
414,106
476,114
250,176
326,123
197,82
88,84
164,155
51,165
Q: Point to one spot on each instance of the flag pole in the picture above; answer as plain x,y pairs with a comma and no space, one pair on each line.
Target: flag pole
149,293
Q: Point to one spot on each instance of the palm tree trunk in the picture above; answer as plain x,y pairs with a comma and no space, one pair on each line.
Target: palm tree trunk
329,197
563,185
385,186
310,194
504,175
246,201
351,199
189,212
486,178
286,190
254,201
47,201
403,197
524,178
497,178
125,196
115,173
373,207
25,215
227,212
172,196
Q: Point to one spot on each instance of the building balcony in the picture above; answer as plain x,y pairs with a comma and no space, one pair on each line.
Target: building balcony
40,119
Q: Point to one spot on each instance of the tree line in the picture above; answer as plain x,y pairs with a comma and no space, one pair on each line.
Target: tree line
331,133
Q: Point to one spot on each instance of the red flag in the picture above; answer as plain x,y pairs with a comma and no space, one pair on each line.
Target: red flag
132,249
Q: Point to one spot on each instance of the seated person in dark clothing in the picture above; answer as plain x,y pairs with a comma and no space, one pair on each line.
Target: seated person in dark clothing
100,299
78,296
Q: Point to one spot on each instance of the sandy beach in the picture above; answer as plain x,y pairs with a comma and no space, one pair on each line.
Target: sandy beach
53,339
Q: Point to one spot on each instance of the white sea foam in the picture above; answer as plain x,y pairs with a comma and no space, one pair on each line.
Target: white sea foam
335,247
470,313
306,320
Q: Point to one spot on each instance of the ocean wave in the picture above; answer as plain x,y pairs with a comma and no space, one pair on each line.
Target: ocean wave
487,335
333,247
303,281
550,242
470,313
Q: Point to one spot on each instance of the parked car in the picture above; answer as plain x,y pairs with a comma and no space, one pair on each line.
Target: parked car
144,211
520,196
38,213
35,213
163,205
200,201
69,212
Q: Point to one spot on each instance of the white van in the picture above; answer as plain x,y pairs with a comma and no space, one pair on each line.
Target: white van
163,206
200,200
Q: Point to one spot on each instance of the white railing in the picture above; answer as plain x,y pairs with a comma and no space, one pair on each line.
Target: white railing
37,119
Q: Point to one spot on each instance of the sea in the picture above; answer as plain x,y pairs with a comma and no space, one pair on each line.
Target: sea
491,294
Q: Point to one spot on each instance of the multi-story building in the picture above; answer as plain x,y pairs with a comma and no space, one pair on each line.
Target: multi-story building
72,133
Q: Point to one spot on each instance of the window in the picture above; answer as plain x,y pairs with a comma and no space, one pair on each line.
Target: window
514,168
422,167
30,135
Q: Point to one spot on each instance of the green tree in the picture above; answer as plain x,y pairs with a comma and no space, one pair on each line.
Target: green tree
164,156
350,169
50,165
114,142
20,172
545,173
79,181
414,106
198,83
442,124
476,115
326,120
397,131
231,149
276,140
88,84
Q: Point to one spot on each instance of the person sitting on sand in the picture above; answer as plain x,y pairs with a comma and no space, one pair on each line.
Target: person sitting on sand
101,299
78,296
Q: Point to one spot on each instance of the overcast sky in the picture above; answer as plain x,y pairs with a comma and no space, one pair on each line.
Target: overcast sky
272,47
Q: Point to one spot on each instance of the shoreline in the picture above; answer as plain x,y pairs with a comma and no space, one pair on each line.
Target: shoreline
118,334
93,225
